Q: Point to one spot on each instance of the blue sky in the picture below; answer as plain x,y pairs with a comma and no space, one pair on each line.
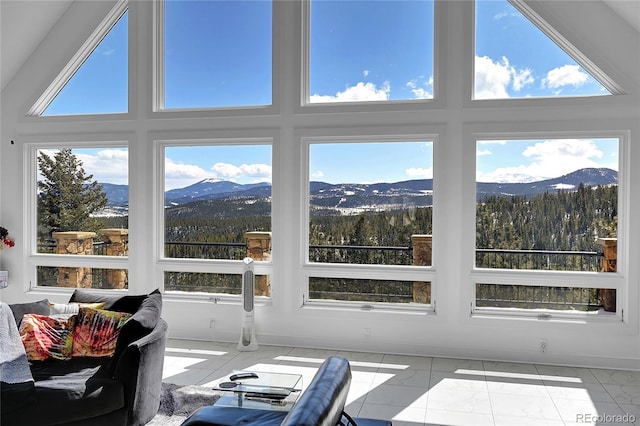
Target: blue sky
359,51
371,51
515,59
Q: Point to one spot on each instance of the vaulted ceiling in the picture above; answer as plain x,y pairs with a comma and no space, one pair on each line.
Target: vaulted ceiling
25,23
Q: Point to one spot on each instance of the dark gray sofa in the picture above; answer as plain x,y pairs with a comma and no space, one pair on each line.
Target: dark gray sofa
321,404
112,391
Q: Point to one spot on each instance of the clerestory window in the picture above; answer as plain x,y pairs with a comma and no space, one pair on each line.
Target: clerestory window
96,79
515,59
370,51
216,54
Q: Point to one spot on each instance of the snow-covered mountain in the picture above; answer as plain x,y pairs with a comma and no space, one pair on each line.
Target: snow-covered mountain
348,198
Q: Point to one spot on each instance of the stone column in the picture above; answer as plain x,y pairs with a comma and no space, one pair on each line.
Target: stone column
116,242
74,243
259,248
609,248
422,249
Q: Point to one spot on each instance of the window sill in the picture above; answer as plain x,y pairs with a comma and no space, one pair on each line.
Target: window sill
599,316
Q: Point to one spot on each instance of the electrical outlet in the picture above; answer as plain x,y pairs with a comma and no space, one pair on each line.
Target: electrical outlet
544,345
367,332
212,323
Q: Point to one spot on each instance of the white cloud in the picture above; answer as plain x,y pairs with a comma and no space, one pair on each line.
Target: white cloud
566,75
499,16
549,159
521,79
481,153
420,172
365,73
358,93
107,165
421,90
317,174
178,175
508,174
492,142
493,79
231,171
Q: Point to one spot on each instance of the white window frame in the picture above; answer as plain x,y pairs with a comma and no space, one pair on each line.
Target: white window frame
67,73
158,109
574,279
33,259
373,272
214,266
439,68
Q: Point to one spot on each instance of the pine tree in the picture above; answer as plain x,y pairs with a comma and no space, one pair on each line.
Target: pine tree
67,196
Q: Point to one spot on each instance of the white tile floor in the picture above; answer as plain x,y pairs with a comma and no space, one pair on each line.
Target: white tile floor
412,390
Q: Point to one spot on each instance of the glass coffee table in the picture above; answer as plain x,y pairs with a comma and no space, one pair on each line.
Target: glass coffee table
259,390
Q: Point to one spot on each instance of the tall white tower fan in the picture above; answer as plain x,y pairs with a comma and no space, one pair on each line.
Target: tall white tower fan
248,341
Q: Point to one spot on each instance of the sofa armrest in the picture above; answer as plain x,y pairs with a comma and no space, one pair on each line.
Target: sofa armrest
139,368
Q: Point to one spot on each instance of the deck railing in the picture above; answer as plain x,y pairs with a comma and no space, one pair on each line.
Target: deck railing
584,261
487,294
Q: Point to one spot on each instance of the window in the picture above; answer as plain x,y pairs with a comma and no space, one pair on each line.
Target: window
98,71
370,203
82,210
546,205
216,54
391,192
369,290
230,284
217,200
552,298
370,51
515,59
217,206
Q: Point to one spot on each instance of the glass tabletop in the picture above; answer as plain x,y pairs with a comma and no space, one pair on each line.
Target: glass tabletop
271,391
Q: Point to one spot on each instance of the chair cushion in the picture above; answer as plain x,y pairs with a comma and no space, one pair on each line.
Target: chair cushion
112,302
20,309
143,321
68,391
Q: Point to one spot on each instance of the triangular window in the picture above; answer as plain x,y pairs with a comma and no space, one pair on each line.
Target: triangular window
95,81
516,59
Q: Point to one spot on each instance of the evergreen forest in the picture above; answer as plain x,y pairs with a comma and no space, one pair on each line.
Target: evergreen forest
564,221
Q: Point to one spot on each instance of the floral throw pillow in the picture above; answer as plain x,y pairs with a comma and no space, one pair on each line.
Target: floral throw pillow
47,337
97,331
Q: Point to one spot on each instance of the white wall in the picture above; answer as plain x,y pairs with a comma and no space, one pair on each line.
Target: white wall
450,332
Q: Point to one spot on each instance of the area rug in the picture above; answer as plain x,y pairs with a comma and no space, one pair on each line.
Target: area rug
177,402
